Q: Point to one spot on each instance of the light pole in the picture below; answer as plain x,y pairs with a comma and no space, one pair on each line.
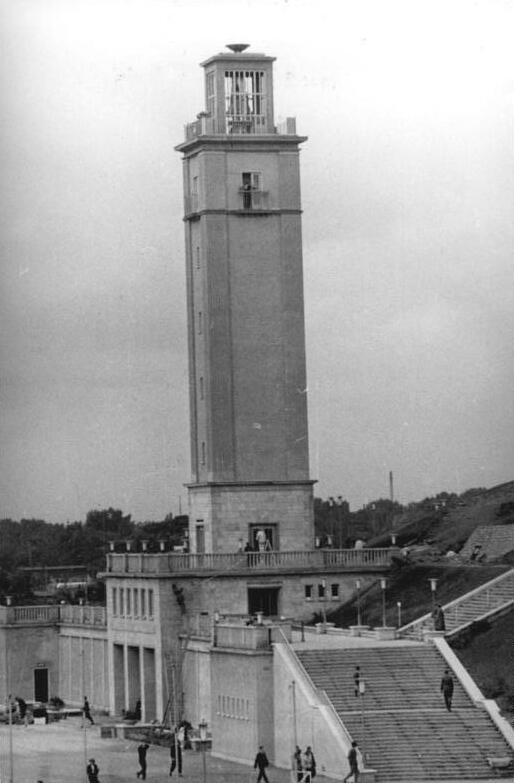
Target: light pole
203,739
399,607
358,586
433,588
383,585
324,611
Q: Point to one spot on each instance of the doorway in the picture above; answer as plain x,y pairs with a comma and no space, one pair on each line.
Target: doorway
263,599
41,684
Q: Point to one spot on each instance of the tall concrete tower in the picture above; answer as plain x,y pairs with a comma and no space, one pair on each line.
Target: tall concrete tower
247,379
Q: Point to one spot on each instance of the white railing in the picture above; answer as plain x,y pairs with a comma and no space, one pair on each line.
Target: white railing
237,125
53,614
172,563
455,607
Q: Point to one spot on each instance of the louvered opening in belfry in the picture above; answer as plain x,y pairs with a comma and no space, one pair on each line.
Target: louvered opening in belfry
245,102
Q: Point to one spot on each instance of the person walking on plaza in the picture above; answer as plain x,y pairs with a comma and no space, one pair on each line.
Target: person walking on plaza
309,765
86,709
447,689
141,753
260,763
175,755
353,762
92,771
297,763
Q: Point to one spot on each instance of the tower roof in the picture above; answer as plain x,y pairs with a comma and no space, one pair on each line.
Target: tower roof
238,54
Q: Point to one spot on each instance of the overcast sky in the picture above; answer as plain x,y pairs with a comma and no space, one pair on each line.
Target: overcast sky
408,198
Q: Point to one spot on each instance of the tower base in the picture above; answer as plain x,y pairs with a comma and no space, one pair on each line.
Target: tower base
227,517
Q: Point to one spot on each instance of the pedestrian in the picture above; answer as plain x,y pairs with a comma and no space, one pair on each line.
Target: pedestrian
175,755
447,689
92,771
137,710
357,680
353,762
141,753
260,763
438,618
297,763
309,765
86,709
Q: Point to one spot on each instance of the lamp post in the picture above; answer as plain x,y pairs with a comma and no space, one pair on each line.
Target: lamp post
203,739
433,588
399,607
358,586
383,585
324,611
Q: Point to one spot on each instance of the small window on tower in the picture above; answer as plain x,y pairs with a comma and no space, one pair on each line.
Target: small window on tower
251,189
308,592
197,257
334,590
201,388
203,452
200,322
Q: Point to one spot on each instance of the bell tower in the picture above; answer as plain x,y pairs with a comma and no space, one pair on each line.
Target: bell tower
247,378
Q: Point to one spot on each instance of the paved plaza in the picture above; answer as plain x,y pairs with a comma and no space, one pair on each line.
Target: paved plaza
55,753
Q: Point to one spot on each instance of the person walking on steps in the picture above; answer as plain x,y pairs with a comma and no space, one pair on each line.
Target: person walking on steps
447,689
353,762
260,763
86,709
141,753
357,676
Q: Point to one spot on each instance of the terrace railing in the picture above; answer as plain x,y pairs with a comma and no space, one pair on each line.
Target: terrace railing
315,559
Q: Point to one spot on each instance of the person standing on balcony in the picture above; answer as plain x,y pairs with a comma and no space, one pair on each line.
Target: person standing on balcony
260,763
447,689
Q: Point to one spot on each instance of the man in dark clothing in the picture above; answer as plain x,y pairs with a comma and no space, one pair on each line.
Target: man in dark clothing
353,762
175,755
260,763
356,680
141,752
447,689
92,771
297,763
438,618
86,709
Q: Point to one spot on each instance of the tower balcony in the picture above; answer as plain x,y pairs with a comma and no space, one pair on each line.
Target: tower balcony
314,561
237,125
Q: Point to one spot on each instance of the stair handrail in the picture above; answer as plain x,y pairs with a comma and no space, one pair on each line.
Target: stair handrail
317,693
420,621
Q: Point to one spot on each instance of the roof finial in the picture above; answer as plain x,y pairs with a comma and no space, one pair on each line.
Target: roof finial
237,47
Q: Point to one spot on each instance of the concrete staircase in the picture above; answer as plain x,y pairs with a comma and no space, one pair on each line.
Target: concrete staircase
490,598
401,722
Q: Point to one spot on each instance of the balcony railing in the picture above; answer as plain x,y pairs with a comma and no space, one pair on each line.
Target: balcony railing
252,199
53,614
316,559
237,125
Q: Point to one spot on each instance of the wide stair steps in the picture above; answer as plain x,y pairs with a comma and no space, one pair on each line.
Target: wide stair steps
490,597
401,723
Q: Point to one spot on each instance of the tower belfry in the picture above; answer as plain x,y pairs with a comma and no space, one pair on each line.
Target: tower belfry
247,378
